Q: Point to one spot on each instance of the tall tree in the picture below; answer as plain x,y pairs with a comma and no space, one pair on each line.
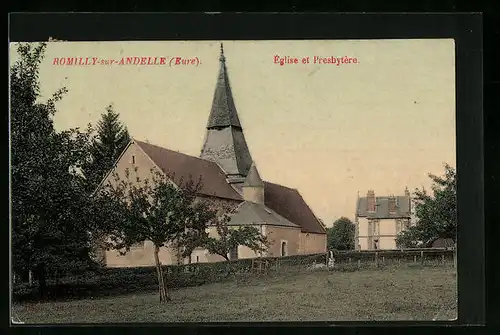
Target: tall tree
153,210
49,202
436,214
110,139
341,235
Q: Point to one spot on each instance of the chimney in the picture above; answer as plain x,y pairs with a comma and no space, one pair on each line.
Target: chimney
253,187
371,201
407,194
392,205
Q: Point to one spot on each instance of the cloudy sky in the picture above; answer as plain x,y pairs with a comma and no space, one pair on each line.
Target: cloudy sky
328,130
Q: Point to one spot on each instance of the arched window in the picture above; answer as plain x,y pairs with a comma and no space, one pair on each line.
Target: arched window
283,248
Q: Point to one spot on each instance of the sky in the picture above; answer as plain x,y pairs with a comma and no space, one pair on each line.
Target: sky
381,121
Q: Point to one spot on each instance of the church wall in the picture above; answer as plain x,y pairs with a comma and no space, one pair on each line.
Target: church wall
311,243
276,235
140,255
143,255
253,194
132,158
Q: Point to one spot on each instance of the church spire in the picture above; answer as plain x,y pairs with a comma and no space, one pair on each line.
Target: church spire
223,112
224,140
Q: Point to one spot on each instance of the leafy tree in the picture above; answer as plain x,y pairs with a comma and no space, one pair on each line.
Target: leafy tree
229,239
49,204
110,139
153,210
341,235
436,214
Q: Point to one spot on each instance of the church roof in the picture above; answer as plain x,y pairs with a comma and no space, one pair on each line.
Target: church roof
223,112
253,178
289,203
187,167
285,201
249,213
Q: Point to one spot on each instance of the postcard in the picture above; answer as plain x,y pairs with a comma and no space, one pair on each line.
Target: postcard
233,181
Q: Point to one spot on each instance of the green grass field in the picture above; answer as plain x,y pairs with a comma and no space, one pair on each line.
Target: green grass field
410,293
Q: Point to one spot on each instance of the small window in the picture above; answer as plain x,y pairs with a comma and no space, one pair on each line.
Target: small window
133,159
197,259
283,248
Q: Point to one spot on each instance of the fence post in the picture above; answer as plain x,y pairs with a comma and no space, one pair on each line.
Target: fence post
414,258
30,277
349,260
376,259
359,263
383,260
422,257
442,258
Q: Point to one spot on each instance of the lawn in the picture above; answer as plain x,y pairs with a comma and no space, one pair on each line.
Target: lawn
410,293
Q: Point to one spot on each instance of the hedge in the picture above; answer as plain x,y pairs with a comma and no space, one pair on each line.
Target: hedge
115,281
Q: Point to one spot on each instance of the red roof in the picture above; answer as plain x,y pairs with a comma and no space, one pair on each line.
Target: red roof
189,167
288,203
283,200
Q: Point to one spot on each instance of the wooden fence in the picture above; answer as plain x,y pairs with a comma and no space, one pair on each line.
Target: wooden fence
428,256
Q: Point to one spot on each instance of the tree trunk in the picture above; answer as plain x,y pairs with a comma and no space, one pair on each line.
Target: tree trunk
161,280
42,284
228,266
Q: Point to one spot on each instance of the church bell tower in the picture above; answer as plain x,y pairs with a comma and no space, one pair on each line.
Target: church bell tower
224,140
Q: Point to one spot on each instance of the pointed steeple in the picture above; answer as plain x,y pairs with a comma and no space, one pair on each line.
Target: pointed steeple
253,187
224,142
223,112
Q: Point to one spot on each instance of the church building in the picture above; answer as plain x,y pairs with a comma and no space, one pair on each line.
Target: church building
231,180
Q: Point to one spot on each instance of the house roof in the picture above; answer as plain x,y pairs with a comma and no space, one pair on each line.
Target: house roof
187,167
286,202
223,112
403,209
289,203
253,213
